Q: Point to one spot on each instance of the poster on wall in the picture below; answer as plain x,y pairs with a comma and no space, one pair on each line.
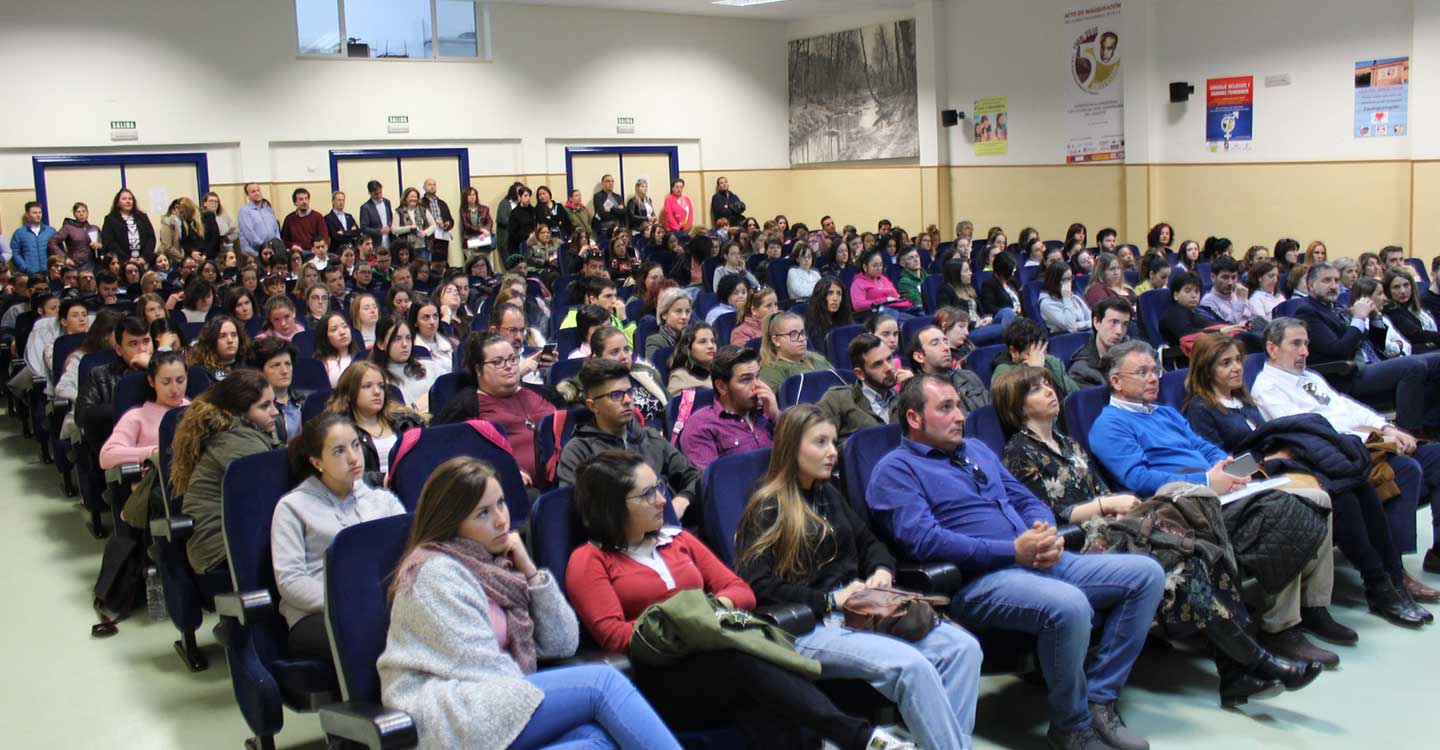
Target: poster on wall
1382,97
853,95
1230,113
1095,100
992,128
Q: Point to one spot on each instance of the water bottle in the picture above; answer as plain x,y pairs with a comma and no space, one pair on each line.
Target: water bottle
154,595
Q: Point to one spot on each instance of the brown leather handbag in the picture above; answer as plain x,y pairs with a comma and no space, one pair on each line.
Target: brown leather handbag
903,614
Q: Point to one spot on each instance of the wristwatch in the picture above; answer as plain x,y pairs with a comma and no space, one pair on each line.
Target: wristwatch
830,604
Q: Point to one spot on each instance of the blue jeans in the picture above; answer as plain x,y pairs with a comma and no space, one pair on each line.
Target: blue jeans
592,706
934,681
1059,605
1418,476
991,334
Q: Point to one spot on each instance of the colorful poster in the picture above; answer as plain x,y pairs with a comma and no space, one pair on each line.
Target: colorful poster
1382,97
992,128
1095,100
1230,112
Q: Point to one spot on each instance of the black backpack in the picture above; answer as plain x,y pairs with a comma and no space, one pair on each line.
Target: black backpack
120,587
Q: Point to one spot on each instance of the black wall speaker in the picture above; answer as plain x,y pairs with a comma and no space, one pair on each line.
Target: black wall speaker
1180,92
949,118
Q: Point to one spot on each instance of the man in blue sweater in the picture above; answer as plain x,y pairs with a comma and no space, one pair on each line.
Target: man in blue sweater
1145,445
943,498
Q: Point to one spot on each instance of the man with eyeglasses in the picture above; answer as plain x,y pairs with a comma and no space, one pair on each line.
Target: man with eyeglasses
508,322
607,388
1284,387
499,398
742,416
944,498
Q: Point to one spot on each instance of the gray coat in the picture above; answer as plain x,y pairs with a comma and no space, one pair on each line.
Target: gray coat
443,666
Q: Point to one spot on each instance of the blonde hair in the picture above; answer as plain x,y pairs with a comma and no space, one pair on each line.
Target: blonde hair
768,352
796,531
190,214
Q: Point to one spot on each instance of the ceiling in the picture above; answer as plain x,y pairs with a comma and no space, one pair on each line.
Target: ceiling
787,10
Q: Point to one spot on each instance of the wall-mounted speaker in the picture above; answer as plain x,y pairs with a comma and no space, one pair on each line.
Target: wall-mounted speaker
1180,92
950,118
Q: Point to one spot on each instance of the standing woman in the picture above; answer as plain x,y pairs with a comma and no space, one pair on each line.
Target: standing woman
232,419
679,212
640,209
127,232
77,239
632,561
414,223
550,213
579,215
470,617
226,230
800,542
334,346
363,396
476,226
690,361
523,221
502,220
331,496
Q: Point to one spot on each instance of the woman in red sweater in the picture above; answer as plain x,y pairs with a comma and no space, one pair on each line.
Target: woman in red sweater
633,561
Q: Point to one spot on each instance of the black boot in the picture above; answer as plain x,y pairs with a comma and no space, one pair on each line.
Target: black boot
1231,640
1409,599
1238,686
1386,601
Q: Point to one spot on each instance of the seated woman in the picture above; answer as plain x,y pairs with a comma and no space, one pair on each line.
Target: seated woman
672,315
275,359
317,303
280,320
217,349
690,361
749,317
400,300
362,395
799,541
802,277
958,292
424,320
828,307
241,305
1406,316
1026,343
1001,291
954,323
165,336
632,561
136,435
1219,408
732,291
331,496
149,307
232,419
887,328
199,297
394,353
587,319
1108,280
1263,281
1061,309
872,288
364,316
650,397
1199,595
783,352
470,618
734,265
335,348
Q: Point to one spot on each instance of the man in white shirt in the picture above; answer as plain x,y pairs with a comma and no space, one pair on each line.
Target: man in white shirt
1285,388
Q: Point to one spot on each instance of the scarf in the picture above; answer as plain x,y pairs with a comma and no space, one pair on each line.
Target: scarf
498,578
574,205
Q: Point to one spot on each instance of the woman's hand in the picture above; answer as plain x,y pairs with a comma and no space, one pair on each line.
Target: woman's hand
843,595
1118,505
881,578
515,550
725,600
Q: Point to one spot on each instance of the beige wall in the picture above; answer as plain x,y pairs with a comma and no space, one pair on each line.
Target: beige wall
1047,197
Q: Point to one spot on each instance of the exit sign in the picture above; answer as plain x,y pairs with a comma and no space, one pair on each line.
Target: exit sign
124,130
624,125
397,124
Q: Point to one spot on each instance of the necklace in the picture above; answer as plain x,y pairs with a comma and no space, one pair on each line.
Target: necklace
518,411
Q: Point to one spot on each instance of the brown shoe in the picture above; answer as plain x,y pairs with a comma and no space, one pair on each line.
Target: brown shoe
1431,564
1292,644
1420,592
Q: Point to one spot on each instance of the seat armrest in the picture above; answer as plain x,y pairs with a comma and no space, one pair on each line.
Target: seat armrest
375,727
245,607
1073,535
176,528
123,474
929,578
620,662
1339,369
795,619
59,406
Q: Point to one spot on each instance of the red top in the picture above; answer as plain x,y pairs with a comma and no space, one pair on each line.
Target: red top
301,231
610,590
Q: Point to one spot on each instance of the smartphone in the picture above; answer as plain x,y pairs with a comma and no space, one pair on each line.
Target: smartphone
549,350
1242,466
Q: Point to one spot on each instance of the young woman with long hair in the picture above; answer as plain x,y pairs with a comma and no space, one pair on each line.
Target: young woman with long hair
828,307
335,346
280,319
364,315
471,615
217,349
800,542
362,395
394,352
783,350
759,305
690,360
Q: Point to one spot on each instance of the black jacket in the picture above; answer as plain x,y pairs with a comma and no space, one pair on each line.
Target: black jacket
993,297
615,214
95,401
349,234
115,240
1408,325
727,205
635,216
1275,535
521,223
555,218
1179,321
1339,461
668,462
848,552
1085,365
403,424
1430,300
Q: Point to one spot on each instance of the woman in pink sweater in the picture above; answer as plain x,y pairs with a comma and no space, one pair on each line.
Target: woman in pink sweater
137,434
679,213
871,287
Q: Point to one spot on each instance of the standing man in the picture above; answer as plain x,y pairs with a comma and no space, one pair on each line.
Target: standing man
609,207
726,205
341,226
30,242
376,215
303,225
257,221
440,211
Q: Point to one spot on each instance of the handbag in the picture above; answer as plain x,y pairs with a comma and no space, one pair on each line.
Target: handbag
903,614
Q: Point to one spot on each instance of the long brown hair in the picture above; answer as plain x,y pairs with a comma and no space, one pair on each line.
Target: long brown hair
203,352
797,530
342,399
1200,382
446,500
221,407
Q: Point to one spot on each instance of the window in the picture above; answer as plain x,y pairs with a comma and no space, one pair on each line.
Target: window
390,29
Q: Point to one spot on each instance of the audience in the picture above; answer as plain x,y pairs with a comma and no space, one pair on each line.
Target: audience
394,352
759,305
868,402
929,352
336,349
380,420
218,347
1027,344
871,289
1062,310
1111,321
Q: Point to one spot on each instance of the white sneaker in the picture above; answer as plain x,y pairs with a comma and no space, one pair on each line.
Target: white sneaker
890,738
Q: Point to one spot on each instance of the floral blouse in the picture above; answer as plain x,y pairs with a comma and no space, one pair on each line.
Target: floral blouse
1064,480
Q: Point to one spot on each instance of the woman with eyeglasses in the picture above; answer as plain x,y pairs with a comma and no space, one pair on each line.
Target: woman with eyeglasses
317,304
749,316
362,395
633,560
783,350
690,361
871,288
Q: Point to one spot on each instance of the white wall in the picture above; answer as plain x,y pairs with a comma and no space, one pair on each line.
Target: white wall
227,73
